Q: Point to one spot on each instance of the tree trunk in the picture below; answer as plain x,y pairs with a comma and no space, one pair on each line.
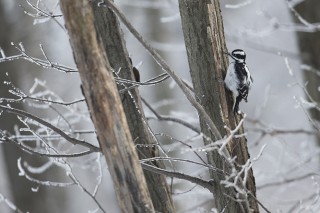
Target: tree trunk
109,30
204,37
309,44
105,106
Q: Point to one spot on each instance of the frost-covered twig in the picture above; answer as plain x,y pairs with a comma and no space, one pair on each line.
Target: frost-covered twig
99,177
40,62
153,81
311,200
182,160
65,103
42,16
221,144
310,27
287,180
32,151
9,203
206,184
37,97
23,173
63,163
169,118
184,144
51,136
68,168
50,126
273,132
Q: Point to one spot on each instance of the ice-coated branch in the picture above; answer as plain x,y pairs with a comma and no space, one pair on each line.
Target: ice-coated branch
23,173
25,148
198,181
40,62
169,118
50,126
42,16
9,203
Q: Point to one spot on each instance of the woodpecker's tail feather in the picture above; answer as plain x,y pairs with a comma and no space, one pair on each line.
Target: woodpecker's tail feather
236,104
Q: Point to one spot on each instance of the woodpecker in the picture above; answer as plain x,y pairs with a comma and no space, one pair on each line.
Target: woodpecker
238,79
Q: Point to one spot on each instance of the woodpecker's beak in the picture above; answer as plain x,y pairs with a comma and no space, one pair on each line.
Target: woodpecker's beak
229,54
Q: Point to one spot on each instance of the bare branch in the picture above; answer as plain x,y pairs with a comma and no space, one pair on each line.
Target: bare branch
43,63
13,207
172,119
287,180
22,172
29,150
198,181
41,15
47,124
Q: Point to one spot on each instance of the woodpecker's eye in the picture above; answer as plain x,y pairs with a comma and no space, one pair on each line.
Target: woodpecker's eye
239,56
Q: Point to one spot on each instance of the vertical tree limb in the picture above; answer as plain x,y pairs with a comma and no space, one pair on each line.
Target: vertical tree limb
108,28
205,42
105,106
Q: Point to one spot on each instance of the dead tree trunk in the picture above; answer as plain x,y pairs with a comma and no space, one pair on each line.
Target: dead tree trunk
109,30
105,106
204,37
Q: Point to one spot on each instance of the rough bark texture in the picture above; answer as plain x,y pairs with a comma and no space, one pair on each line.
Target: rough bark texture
309,44
105,106
108,28
204,37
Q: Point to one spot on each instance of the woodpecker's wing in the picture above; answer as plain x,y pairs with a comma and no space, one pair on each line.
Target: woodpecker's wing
245,83
245,88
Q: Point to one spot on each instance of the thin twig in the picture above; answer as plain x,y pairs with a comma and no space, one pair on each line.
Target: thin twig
183,160
185,144
7,202
49,125
198,181
27,149
55,102
39,62
172,119
42,13
287,180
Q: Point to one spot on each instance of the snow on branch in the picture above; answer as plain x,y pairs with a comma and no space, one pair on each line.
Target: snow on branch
72,140
40,62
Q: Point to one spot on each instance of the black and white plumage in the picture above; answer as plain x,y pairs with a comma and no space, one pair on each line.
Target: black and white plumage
238,79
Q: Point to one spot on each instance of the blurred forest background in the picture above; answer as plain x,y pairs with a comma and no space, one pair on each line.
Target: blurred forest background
281,124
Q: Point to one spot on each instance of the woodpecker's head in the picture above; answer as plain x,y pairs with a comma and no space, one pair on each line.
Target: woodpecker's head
238,55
